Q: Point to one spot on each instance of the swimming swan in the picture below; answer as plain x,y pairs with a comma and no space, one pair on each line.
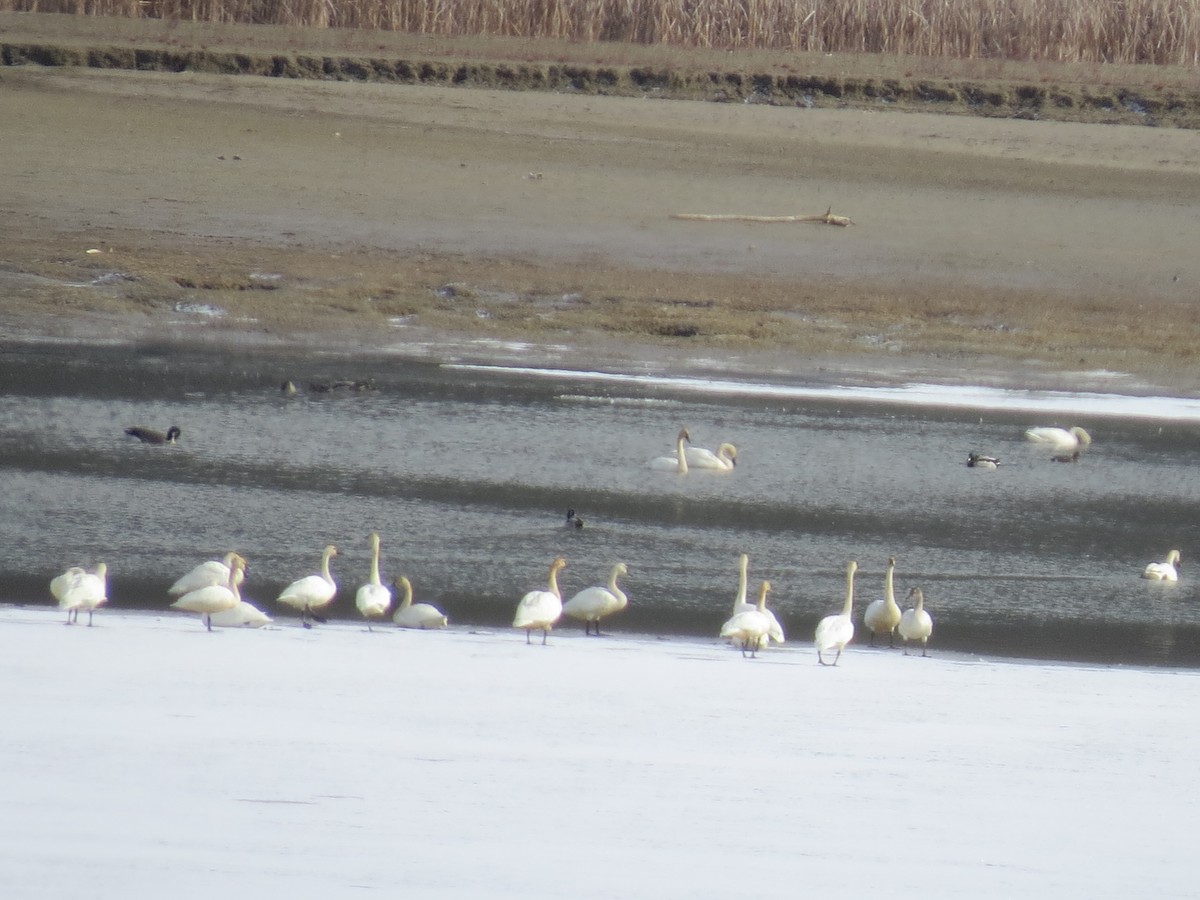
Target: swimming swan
150,436
541,609
916,624
215,571
882,616
313,592
373,599
724,460
677,463
1167,570
749,630
835,632
77,589
416,615
594,603
1074,438
213,598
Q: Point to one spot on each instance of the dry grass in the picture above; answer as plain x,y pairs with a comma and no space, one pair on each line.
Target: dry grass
1158,32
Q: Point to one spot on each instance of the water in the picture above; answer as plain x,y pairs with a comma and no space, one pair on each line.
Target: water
467,472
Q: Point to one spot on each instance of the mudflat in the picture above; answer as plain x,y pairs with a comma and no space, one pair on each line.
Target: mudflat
229,207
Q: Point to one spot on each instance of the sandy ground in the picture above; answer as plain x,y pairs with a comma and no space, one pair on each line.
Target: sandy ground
145,757
334,185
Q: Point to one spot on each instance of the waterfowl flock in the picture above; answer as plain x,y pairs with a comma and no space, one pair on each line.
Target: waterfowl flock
212,588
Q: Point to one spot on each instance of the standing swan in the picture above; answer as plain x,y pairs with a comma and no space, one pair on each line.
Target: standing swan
215,571
724,460
677,463
749,629
150,436
775,631
835,632
916,624
1057,438
373,598
313,592
541,609
77,589
594,603
213,598
416,615
882,616
1167,570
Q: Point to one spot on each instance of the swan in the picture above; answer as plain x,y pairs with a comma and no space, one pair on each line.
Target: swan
416,615
150,436
724,460
882,616
313,592
775,631
835,632
77,589
215,571
677,463
373,598
1074,438
243,614
979,461
573,521
541,609
750,629
594,603
213,598
916,624
1167,570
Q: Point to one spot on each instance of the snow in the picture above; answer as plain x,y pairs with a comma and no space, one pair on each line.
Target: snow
148,758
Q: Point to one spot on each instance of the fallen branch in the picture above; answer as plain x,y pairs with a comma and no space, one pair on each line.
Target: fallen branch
828,218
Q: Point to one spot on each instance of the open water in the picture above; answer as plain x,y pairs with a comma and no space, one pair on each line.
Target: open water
467,472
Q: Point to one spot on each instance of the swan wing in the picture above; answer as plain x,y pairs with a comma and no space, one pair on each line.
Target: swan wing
591,604
373,599
241,614
538,609
212,572
211,599
834,631
310,591
420,615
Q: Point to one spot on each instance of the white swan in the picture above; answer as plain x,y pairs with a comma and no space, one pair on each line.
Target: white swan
916,624
313,592
1167,570
541,609
677,463
215,571
213,598
724,460
416,615
835,632
373,599
775,632
243,615
750,629
1074,438
77,589
883,615
594,603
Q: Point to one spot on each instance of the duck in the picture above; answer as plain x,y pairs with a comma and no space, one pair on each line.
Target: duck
416,615
724,460
326,387
541,609
677,463
77,588
243,615
595,603
916,624
1059,438
775,631
835,632
980,461
1167,570
750,629
213,598
883,615
573,521
313,592
374,598
214,571
150,436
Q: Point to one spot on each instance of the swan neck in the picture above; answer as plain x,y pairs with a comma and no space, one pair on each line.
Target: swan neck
325,566
743,562
407,601
682,454
554,582
848,606
889,590
374,563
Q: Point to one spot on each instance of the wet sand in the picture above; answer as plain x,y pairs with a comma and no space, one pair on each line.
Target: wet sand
469,222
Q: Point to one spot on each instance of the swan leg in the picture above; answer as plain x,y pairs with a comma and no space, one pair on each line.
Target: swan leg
527,638
90,611
924,646
892,639
839,656
545,634
871,643
208,622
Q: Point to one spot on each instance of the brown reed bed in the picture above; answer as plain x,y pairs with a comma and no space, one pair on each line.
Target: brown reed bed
1155,32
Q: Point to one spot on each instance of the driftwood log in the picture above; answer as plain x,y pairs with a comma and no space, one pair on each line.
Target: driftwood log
827,218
